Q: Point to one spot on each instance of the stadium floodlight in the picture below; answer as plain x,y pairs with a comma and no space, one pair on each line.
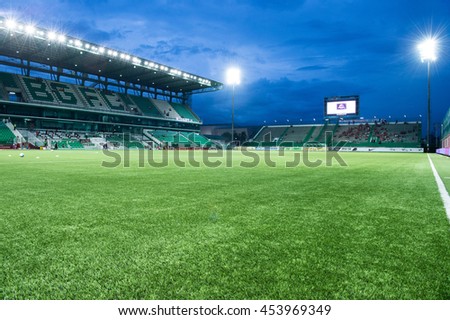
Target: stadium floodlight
234,76
10,24
61,38
428,54
233,79
427,50
30,29
51,35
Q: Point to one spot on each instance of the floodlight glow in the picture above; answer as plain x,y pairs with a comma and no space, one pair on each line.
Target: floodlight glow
427,50
10,24
78,43
61,38
51,35
233,76
30,29
101,50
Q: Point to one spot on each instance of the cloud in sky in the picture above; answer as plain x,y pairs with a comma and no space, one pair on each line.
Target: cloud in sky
292,53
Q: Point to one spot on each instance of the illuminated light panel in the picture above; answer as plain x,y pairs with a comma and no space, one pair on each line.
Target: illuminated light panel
428,49
233,76
29,29
51,35
61,38
10,24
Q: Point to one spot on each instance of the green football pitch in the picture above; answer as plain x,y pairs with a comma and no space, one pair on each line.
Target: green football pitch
72,228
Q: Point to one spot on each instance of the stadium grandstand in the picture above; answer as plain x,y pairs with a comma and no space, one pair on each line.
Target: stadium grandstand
445,135
57,89
351,133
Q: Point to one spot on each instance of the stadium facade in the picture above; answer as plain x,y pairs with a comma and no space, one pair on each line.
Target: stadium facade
445,134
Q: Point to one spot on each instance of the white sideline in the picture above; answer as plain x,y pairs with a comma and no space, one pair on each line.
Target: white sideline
442,190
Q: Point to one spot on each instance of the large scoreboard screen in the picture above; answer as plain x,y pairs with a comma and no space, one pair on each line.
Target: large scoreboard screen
341,106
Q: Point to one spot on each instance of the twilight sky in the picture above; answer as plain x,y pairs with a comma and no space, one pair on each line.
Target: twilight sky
291,53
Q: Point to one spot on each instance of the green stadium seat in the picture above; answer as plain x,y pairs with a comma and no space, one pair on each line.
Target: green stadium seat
146,107
185,112
6,135
92,97
112,100
198,139
165,109
8,80
64,93
37,90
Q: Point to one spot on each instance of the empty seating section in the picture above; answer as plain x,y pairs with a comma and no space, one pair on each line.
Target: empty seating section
184,112
316,136
6,136
165,109
296,135
169,136
43,91
67,144
92,98
128,142
270,134
134,145
64,93
198,139
146,107
129,104
112,100
37,90
8,81
74,144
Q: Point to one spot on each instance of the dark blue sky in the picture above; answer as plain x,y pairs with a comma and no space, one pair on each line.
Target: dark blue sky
291,53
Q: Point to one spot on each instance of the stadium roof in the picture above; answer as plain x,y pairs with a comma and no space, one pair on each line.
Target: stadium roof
31,43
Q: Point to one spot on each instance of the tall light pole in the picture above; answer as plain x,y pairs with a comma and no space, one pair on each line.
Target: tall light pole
233,79
427,50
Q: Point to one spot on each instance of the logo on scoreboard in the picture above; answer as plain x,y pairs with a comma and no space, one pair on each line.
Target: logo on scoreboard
341,106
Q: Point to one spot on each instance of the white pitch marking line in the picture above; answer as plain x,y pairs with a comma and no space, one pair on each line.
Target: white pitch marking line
442,190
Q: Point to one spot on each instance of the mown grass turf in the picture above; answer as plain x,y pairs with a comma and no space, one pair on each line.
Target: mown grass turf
72,229
442,165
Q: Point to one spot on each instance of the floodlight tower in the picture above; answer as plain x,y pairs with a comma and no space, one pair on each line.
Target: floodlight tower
427,50
233,79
